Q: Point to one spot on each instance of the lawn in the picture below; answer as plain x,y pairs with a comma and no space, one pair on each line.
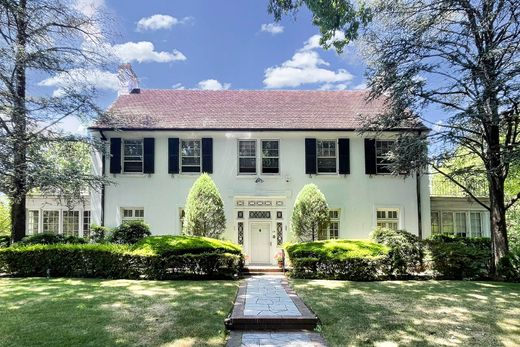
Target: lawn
86,312
415,313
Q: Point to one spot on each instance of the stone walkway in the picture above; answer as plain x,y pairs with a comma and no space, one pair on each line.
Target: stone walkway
266,303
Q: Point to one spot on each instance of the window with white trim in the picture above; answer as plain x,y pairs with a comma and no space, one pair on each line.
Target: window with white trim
70,223
388,218
132,156
460,223
33,222
326,156
382,161
332,230
182,214
190,155
51,222
86,223
247,156
270,156
129,214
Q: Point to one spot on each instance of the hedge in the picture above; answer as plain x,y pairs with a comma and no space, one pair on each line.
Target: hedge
176,245
115,261
354,260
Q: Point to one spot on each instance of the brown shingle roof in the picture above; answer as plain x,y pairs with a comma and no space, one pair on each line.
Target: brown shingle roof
240,109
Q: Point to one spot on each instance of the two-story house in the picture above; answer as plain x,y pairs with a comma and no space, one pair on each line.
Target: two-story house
260,148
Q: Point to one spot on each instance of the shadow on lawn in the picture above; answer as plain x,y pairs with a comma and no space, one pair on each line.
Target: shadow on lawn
114,312
413,313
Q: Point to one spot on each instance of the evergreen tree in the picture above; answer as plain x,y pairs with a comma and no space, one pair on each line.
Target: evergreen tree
311,214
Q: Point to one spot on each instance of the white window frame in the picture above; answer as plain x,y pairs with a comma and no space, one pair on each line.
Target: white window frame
318,157
58,223
334,220
468,222
30,222
66,223
133,213
385,221
181,156
255,157
182,215
262,157
382,157
123,159
85,229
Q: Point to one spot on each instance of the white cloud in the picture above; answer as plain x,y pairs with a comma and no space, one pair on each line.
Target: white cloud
360,86
272,28
212,84
178,86
312,43
160,21
144,51
80,78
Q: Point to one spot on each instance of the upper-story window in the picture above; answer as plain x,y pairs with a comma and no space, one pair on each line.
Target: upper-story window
133,156
326,156
382,161
247,156
270,156
190,155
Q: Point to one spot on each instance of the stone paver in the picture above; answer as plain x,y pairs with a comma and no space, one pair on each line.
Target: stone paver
280,339
265,296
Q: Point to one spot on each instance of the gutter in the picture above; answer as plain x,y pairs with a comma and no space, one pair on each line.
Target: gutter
103,138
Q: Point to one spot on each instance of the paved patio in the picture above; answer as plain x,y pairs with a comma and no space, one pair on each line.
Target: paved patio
265,296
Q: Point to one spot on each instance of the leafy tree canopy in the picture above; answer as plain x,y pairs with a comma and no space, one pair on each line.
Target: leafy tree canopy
310,216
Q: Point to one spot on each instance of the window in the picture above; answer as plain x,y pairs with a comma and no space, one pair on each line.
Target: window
86,223
460,223
260,214
382,161
33,222
247,156
270,157
190,155
51,222
182,214
326,156
388,218
71,223
333,231
132,214
133,156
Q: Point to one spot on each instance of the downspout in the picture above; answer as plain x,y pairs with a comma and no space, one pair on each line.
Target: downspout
103,138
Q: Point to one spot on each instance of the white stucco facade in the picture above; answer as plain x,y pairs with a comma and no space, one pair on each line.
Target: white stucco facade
357,195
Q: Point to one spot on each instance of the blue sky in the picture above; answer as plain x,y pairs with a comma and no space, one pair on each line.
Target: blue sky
205,44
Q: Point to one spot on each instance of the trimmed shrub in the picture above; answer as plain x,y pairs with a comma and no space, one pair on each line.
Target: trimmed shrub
204,211
176,245
51,239
406,251
509,267
310,216
5,240
116,261
99,234
354,260
130,232
456,257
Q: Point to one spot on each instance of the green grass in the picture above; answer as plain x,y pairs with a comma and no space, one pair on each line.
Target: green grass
185,244
415,313
338,249
74,312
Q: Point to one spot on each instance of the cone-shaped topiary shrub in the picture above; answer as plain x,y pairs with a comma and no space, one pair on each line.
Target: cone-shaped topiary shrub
204,210
310,216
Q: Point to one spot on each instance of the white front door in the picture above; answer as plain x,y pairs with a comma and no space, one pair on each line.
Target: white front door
260,242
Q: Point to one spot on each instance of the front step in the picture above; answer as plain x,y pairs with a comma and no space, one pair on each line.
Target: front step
238,321
260,269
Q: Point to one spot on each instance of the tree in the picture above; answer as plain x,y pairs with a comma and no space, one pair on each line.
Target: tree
310,216
5,217
204,210
38,40
458,56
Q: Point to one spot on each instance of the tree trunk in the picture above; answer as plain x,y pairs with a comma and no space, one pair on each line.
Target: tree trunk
19,118
499,244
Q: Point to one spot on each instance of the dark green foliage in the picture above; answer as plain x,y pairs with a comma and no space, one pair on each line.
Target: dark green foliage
5,240
118,261
354,260
204,211
130,232
51,239
99,234
459,257
174,245
509,267
406,251
310,216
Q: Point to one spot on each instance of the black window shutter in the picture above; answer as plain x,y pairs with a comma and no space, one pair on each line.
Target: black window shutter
370,156
344,156
173,155
149,155
207,155
310,156
115,155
